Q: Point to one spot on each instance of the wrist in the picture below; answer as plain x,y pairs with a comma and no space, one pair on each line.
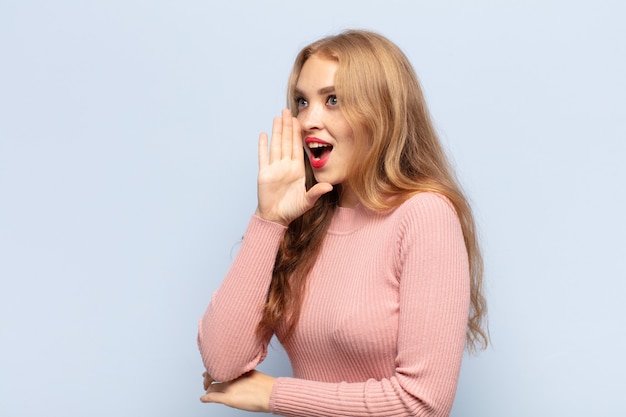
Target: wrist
269,218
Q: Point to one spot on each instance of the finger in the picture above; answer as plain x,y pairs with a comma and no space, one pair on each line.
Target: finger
287,136
277,136
211,397
214,393
298,151
263,157
208,380
317,191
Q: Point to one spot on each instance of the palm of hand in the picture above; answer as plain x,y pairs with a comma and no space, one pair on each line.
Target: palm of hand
282,191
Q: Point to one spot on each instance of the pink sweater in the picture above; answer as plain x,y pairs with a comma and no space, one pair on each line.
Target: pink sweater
382,328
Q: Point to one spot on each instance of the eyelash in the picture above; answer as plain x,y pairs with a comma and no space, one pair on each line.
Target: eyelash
301,102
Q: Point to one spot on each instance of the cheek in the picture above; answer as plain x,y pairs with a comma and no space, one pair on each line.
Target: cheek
343,130
347,136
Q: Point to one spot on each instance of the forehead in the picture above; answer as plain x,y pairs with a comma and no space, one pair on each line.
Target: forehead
317,73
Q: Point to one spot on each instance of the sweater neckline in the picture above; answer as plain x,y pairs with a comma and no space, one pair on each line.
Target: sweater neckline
348,219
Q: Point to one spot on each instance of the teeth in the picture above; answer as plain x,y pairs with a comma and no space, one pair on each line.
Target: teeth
315,145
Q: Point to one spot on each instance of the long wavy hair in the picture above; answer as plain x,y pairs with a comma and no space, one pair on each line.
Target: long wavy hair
398,154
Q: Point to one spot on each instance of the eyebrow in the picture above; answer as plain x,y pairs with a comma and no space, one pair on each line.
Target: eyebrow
321,91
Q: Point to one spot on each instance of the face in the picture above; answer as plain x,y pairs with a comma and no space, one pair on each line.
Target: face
328,139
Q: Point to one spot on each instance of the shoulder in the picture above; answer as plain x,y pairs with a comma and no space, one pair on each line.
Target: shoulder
428,228
426,206
427,217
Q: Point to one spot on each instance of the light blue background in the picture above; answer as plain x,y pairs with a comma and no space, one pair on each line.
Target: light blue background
128,137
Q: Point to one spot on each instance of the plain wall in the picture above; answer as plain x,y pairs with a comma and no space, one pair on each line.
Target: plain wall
128,135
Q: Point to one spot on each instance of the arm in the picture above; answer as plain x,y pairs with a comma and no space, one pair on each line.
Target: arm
434,303
227,331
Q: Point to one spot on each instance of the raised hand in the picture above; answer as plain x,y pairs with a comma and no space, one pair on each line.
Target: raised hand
282,192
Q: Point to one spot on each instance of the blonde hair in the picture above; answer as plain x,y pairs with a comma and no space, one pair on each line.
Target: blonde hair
398,154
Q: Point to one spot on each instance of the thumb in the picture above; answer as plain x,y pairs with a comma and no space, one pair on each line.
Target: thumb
317,191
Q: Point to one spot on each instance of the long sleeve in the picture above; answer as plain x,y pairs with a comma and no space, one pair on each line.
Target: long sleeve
432,300
227,330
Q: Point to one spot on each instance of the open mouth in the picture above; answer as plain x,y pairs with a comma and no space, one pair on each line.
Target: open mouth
319,150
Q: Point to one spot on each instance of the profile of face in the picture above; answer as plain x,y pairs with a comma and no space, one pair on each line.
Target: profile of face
328,138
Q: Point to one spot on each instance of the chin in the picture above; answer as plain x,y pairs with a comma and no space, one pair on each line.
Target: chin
326,178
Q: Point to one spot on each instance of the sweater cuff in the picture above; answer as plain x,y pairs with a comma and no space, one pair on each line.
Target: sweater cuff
260,230
292,395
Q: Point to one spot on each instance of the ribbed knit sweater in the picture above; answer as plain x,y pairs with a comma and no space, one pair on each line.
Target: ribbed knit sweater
382,327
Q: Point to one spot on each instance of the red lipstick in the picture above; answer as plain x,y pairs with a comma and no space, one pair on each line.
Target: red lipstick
319,151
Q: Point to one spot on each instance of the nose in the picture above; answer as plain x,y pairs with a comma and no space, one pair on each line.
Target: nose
310,118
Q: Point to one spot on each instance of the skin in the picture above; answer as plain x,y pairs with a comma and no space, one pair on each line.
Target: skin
281,189
320,116
249,392
282,194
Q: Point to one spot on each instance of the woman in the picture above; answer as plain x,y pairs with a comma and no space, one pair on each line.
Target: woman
363,260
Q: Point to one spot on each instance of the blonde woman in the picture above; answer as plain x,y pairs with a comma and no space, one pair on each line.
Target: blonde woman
361,257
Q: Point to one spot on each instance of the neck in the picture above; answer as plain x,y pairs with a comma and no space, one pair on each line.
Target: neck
348,199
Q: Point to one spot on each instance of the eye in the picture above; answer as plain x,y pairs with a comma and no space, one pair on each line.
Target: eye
300,102
332,100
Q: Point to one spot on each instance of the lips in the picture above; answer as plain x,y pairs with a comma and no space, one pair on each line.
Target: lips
319,151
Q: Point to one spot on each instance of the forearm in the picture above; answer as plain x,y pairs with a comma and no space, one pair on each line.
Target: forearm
385,398
227,331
